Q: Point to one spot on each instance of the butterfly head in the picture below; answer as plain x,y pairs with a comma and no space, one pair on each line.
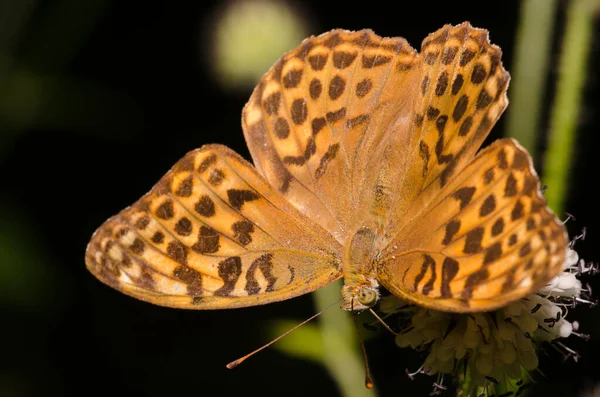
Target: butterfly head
361,295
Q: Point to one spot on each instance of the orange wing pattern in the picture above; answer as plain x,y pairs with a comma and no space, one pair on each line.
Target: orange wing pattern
212,234
490,240
319,119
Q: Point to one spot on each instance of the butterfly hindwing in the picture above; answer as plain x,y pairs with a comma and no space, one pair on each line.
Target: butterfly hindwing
491,240
211,234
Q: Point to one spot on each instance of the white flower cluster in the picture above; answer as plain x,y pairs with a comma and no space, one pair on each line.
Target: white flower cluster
493,347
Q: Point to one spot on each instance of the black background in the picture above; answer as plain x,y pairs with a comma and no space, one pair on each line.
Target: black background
157,100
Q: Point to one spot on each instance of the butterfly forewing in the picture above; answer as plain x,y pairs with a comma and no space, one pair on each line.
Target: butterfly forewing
322,114
213,234
461,93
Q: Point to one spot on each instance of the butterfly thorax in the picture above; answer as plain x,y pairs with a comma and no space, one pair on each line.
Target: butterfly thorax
361,288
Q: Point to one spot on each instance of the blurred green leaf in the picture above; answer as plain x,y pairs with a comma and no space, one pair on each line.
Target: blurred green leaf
305,342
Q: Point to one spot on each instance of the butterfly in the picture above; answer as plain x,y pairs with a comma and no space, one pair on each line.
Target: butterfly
367,167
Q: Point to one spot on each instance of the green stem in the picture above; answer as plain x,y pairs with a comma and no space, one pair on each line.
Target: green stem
333,343
565,110
340,353
529,70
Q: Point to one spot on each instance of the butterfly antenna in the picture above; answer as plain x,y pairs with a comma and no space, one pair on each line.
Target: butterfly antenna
383,322
237,362
368,380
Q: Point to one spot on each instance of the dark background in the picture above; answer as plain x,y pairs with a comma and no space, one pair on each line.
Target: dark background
119,94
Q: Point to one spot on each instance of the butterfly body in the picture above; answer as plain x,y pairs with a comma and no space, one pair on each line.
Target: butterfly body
367,167
361,288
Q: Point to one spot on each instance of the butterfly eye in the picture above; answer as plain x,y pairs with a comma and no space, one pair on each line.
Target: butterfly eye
367,296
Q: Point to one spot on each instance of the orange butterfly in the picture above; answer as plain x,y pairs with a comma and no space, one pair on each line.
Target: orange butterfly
366,169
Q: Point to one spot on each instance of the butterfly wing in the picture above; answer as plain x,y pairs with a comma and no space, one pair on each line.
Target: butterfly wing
322,114
467,234
212,234
461,93
491,240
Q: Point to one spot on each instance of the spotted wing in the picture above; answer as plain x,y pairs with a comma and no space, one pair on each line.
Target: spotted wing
320,118
460,94
488,240
212,234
